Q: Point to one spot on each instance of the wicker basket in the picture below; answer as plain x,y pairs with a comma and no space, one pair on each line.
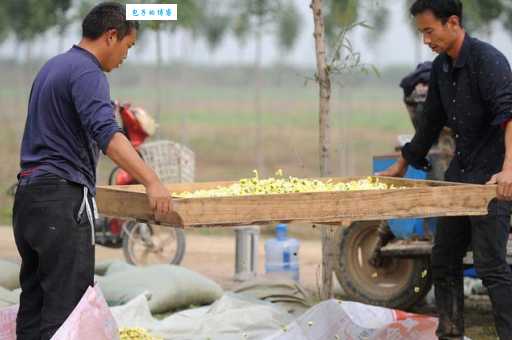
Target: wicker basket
172,161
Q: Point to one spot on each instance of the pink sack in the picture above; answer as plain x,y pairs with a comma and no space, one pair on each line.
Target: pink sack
334,319
8,322
91,319
387,323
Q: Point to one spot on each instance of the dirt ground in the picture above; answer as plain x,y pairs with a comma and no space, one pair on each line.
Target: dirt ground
208,254
213,255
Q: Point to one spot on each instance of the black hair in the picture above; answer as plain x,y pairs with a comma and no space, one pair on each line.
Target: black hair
442,9
107,16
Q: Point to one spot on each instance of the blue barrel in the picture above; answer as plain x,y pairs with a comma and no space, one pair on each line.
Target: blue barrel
282,254
405,228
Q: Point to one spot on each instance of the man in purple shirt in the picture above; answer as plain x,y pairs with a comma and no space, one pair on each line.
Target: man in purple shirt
70,118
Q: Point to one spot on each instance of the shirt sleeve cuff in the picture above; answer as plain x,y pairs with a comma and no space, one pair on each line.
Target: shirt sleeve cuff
420,163
106,137
502,119
505,123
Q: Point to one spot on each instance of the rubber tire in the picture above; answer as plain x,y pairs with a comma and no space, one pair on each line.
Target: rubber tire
112,176
181,245
11,191
405,296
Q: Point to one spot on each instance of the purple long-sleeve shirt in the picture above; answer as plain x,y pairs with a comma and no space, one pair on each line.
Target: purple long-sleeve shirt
70,118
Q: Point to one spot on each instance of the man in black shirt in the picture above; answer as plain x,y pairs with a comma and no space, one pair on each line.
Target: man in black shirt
470,91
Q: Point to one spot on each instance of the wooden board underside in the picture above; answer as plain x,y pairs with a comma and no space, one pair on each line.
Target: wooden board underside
419,199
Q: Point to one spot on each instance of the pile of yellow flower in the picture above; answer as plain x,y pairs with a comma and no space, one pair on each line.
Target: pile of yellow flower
284,185
136,333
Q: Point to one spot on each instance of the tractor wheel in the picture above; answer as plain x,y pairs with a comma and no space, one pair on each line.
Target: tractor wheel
396,283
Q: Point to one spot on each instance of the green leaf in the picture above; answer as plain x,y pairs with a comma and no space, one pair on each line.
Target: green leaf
365,25
375,70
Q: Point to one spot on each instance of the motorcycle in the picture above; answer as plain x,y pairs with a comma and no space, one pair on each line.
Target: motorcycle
142,243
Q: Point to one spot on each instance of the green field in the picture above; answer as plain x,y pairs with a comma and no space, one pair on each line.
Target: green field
212,110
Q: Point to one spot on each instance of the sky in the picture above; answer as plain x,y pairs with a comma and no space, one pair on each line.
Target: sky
395,47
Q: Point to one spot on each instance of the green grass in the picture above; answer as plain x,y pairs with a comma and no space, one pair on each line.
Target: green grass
213,112
280,107
6,213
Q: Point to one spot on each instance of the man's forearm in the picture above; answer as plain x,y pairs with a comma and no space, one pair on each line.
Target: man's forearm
123,154
507,163
402,163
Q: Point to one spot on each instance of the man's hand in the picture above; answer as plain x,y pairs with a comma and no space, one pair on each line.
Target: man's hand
504,182
123,154
159,199
396,170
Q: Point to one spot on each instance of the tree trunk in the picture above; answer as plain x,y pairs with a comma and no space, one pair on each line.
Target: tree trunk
417,49
324,82
329,255
60,42
158,76
260,150
171,46
488,32
184,48
28,62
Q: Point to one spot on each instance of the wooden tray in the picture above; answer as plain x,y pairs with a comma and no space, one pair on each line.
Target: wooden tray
417,199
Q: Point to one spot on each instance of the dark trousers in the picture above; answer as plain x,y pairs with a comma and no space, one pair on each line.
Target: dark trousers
488,237
57,253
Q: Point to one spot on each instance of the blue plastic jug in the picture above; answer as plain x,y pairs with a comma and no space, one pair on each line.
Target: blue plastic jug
282,254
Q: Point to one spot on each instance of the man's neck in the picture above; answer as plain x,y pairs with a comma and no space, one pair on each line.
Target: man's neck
454,52
91,48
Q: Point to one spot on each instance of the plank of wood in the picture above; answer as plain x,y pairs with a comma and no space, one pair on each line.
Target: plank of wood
321,207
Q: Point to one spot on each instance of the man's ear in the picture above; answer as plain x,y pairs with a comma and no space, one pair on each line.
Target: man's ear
454,21
111,36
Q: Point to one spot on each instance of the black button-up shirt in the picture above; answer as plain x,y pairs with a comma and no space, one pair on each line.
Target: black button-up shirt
472,96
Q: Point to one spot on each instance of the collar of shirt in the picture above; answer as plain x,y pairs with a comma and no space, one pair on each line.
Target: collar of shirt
464,53
88,54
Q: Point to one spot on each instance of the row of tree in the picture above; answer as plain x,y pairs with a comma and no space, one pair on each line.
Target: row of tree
247,20
210,20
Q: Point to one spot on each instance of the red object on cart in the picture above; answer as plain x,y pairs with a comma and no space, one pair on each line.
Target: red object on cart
138,126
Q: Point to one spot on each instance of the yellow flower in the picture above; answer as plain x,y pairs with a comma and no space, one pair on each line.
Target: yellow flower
257,186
